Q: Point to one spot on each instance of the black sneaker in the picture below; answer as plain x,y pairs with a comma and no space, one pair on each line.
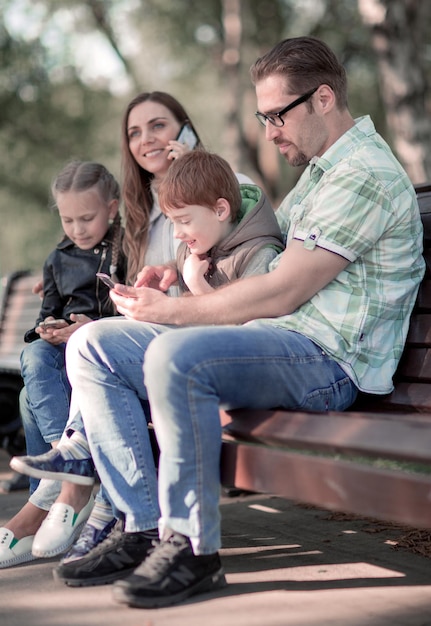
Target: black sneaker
116,557
170,574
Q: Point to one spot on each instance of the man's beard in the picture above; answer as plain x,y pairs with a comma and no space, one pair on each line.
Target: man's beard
298,159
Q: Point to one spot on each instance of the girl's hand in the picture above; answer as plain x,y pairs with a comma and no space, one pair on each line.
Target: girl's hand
61,335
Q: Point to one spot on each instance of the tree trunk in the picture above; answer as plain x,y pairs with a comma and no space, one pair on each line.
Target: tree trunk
232,30
398,30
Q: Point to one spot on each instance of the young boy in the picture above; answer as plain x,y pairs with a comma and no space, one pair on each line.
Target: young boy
227,230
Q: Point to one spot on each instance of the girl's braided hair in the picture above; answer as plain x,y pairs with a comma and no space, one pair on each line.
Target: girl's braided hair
83,175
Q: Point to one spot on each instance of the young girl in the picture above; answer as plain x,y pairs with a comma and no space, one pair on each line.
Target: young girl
87,197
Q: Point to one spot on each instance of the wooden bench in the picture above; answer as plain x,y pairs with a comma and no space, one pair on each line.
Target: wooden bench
373,460
19,310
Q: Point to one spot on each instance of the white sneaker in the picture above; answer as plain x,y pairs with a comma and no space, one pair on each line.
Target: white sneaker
14,551
60,529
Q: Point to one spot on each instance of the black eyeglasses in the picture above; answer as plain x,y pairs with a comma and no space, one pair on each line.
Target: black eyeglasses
276,119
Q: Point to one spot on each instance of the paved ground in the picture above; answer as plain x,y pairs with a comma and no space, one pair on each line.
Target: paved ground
286,565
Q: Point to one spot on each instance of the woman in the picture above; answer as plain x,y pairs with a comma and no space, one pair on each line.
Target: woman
150,126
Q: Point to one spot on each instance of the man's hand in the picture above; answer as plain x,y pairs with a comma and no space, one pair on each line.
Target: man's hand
159,277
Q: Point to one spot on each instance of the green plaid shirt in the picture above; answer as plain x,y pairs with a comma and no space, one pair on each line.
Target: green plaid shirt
357,201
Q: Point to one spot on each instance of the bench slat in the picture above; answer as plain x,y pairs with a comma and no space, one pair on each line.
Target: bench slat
332,484
374,435
419,330
19,313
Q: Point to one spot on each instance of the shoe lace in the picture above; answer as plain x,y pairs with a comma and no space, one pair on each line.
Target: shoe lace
112,539
159,558
58,514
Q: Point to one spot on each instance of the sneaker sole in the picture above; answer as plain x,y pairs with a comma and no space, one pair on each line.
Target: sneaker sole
210,583
17,560
87,582
22,468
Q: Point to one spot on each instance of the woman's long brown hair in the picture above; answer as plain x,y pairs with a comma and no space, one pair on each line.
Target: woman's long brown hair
136,185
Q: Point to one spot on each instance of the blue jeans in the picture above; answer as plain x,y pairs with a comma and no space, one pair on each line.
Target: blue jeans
189,373
48,390
44,399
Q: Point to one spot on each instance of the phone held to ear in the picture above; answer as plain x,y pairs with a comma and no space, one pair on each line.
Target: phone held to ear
187,136
53,324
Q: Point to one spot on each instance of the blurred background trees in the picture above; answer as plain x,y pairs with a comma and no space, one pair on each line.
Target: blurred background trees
68,68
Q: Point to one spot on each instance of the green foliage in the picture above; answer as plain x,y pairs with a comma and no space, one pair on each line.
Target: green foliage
43,124
51,111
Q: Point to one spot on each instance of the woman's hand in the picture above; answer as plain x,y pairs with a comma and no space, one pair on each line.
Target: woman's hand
38,289
176,149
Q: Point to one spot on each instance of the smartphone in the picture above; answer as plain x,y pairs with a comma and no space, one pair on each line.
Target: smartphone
188,136
106,279
53,324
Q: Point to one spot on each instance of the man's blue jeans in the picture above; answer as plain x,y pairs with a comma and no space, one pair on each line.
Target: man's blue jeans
186,374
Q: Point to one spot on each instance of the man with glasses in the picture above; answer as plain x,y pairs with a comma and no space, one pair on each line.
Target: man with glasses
276,119
329,319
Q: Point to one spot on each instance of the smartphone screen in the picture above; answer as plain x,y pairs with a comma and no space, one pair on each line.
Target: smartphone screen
188,136
106,279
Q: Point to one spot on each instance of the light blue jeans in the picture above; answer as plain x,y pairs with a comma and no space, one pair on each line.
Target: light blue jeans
115,366
45,397
48,490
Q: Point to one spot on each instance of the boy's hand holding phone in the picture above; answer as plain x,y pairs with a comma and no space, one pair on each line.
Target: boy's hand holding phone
159,277
106,279
122,290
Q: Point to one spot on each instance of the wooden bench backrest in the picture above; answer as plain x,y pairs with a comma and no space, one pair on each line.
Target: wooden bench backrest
20,309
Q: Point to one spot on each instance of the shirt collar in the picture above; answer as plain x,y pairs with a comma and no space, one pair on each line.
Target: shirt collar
363,127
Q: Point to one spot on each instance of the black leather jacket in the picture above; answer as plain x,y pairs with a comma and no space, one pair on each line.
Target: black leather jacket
70,284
